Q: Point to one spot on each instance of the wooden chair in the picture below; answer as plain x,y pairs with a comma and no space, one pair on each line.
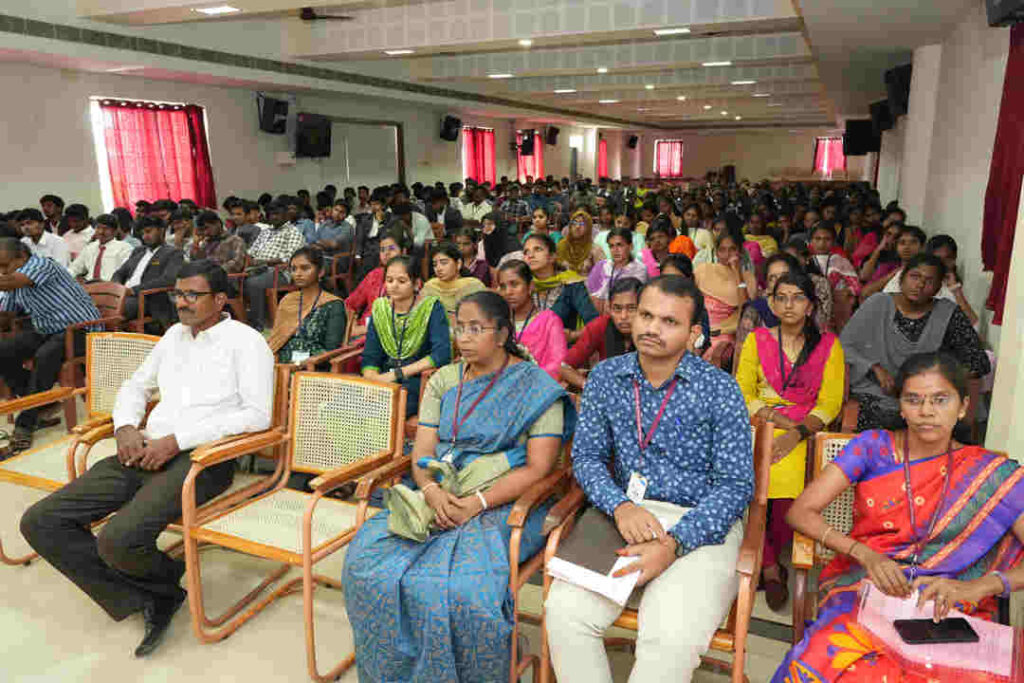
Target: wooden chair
277,290
340,428
732,638
110,359
521,569
237,302
341,275
413,423
139,324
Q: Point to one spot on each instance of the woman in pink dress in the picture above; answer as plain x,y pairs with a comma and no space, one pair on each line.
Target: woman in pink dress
541,332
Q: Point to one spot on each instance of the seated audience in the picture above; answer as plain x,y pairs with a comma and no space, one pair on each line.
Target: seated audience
881,262
104,255
658,238
407,332
541,332
701,483
371,287
154,265
125,226
540,225
915,474
889,328
274,246
621,264
757,231
44,291
561,291
944,247
468,241
476,209
497,242
492,417
445,220
182,226
369,231
214,244
697,228
79,232
516,212
215,378
40,241
577,252
758,312
606,336
790,374
449,284
841,275
53,209
726,286
310,321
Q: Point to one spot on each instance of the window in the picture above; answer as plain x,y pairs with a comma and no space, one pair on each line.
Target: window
668,158
532,165
602,158
828,156
150,151
478,154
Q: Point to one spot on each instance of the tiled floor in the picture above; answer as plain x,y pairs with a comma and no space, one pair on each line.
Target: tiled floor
52,632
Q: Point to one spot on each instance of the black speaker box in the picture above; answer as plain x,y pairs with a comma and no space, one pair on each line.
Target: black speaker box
897,86
312,136
552,136
273,115
450,127
860,138
1004,12
881,117
526,146
633,140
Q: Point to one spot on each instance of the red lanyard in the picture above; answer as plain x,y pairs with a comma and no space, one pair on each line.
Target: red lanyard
917,540
457,423
645,441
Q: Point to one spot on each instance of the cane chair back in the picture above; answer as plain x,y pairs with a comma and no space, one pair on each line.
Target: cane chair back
110,359
839,513
337,420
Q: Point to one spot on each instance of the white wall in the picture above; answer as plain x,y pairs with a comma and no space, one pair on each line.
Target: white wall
919,131
890,159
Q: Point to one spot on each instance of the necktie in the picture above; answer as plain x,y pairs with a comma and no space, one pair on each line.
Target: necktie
99,263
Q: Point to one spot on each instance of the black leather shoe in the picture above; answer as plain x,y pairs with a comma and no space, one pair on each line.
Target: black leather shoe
157,615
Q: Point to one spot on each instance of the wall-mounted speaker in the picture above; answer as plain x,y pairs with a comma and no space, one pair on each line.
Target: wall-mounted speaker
450,127
1004,12
313,136
273,115
881,117
633,141
552,136
860,138
897,87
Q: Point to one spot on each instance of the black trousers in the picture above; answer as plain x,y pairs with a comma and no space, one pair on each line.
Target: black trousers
121,567
48,353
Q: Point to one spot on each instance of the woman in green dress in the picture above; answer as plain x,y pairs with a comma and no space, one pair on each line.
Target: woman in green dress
311,320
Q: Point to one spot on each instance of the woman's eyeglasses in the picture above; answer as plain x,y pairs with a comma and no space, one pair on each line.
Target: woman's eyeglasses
784,300
471,331
917,401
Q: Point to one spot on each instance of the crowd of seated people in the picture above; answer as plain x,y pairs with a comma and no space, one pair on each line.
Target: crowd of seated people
512,296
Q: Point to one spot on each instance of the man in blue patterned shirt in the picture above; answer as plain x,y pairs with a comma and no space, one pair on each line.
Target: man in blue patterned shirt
663,446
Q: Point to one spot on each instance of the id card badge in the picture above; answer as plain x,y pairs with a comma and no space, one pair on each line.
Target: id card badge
637,488
300,356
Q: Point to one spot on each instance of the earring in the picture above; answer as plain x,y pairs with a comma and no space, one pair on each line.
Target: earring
699,341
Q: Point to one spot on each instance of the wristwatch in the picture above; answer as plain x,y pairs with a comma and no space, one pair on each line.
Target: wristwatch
803,431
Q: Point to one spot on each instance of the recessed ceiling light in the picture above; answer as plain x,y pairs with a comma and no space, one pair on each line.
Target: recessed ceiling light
775,104
744,82
717,63
602,69
122,69
219,9
564,91
395,53
762,94
649,86
526,42
739,118
607,101
707,106
643,109
724,113
681,98
682,30
499,75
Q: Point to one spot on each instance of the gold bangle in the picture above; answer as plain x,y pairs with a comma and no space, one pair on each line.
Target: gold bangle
828,530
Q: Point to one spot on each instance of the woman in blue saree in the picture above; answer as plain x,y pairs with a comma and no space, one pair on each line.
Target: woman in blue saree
438,608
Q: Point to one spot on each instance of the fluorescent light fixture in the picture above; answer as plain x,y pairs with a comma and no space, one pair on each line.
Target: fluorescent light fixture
602,69
643,109
707,106
564,91
499,75
607,101
724,113
649,86
762,94
122,69
775,104
726,63
219,9
739,118
526,42
681,31
744,82
395,53
681,98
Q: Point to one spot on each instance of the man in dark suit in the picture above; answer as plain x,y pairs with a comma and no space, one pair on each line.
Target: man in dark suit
444,220
151,266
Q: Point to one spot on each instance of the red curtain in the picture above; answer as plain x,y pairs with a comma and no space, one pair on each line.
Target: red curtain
1002,198
668,158
478,154
532,165
828,156
602,158
157,152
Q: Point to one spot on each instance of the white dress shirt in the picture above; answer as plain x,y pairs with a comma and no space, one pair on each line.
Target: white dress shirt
218,383
115,253
136,279
77,240
476,212
51,246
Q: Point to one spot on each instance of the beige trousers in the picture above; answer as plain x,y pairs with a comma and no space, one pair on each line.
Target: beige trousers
679,612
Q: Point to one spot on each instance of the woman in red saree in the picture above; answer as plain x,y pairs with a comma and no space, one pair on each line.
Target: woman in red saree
955,532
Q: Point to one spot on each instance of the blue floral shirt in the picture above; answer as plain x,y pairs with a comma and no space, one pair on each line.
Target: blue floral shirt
700,456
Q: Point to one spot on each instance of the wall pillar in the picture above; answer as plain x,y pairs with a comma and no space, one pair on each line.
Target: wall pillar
920,126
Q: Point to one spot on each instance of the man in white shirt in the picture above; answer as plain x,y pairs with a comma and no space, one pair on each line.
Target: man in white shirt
214,376
40,241
79,231
104,255
478,208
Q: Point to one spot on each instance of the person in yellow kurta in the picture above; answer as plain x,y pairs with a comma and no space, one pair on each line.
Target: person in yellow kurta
792,375
448,284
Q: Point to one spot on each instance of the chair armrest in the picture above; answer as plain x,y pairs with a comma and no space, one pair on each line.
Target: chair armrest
803,552
537,493
217,452
565,508
310,363
340,475
851,409
35,400
142,299
372,480
338,362
753,539
69,331
92,423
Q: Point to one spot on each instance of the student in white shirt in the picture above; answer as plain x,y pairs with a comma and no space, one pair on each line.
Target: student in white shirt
79,231
104,255
215,379
41,242
479,207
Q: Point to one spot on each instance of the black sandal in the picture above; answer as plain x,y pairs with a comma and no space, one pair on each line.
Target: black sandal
20,441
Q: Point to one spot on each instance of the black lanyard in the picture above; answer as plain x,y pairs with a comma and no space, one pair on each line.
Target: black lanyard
782,363
526,323
394,330
302,321
917,540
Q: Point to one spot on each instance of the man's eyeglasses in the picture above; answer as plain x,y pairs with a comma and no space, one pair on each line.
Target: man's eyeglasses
189,296
471,331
